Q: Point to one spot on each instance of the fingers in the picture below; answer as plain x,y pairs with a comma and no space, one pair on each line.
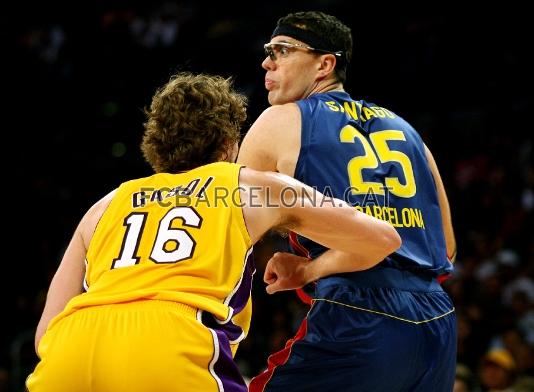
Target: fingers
269,276
284,271
272,288
269,280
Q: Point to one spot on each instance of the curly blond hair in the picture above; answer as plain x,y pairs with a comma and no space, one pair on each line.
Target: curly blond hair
193,120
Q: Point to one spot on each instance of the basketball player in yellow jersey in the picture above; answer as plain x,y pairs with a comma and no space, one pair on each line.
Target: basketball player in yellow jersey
153,292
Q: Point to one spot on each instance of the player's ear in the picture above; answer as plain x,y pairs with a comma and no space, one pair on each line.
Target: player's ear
327,64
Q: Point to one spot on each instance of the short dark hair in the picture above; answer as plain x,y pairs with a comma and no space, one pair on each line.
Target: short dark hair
329,28
193,120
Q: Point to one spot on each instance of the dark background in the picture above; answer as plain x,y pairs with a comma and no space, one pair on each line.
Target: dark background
77,76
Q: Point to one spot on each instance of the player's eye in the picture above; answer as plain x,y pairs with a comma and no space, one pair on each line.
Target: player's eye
283,50
275,51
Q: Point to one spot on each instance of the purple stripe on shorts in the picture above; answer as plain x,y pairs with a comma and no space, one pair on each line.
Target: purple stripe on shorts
225,369
240,297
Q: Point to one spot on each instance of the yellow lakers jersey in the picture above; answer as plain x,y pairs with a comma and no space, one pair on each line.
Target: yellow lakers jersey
175,237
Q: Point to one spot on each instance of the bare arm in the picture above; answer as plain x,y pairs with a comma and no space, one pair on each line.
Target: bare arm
273,141
68,279
328,221
448,230
286,271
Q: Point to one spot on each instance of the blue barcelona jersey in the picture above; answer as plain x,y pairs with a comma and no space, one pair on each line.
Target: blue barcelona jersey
374,160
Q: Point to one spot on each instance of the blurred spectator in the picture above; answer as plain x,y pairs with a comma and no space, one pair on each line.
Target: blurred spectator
497,371
465,380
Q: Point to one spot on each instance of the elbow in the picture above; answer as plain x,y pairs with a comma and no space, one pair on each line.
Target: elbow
395,242
388,243
392,241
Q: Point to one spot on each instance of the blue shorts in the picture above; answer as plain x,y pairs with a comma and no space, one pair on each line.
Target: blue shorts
376,330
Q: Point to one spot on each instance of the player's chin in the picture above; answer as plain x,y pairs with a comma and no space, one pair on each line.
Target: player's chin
275,98
272,97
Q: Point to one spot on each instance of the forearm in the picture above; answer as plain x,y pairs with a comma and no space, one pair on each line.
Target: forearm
367,239
335,261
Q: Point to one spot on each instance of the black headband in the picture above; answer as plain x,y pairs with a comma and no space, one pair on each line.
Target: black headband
307,37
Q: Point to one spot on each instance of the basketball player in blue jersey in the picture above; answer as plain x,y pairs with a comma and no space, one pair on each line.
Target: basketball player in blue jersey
388,328
153,292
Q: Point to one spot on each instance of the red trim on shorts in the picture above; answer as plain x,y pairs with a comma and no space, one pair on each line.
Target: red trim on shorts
301,251
258,383
443,278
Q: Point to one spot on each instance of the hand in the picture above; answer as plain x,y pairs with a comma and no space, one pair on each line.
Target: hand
286,271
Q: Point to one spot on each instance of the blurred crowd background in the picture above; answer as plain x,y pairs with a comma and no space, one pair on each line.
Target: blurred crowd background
77,76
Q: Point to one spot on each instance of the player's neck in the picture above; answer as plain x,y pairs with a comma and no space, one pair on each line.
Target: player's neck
325,86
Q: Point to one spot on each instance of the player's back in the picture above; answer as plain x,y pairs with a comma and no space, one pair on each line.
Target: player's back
374,160
169,253
174,237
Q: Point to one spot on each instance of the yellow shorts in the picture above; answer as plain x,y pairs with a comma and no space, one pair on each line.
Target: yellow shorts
138,346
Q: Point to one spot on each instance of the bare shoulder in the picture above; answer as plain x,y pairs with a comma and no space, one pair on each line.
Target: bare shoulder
280,121
100,206
281,113
92,217
273,141
275,121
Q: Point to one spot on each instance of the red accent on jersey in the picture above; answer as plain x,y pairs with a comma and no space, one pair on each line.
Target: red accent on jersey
297,246
443,278
258,383
304,297
300,250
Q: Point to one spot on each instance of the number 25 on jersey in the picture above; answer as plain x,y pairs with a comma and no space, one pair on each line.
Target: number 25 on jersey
371,159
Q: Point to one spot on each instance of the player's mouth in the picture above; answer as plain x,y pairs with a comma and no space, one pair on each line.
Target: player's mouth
269,84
